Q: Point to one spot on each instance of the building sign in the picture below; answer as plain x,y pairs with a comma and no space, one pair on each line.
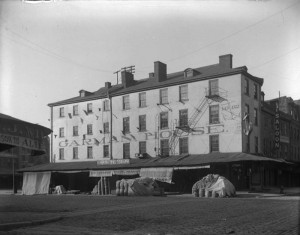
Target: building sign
277,127
100,173
113,161
22,142
165,134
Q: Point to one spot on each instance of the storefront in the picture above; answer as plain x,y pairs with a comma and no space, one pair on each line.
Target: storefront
175,173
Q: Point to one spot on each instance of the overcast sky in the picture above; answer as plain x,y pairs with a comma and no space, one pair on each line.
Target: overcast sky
49,51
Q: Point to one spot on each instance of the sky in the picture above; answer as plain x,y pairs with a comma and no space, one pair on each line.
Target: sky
51,50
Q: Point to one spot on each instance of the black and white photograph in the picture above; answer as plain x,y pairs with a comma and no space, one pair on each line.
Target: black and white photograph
149,117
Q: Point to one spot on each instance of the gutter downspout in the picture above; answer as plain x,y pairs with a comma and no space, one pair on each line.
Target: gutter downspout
111,134
51,146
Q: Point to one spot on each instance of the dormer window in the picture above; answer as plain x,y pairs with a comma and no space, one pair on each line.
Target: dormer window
82,93
188,73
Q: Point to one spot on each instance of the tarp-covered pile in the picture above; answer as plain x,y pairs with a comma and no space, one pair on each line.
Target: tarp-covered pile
143,186
215,185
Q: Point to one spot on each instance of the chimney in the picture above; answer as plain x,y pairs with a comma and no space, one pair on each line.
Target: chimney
160,71
226,61
127,79
107,85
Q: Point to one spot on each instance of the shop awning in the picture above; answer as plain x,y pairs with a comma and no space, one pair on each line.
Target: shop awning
17,133
174,162
163,174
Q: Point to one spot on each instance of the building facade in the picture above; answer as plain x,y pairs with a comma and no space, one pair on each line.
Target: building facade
175,127
196,111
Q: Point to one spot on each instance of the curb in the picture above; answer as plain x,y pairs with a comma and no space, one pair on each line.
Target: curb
9,226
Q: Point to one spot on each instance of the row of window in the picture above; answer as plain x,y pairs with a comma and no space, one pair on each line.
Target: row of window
164,148
164,122
163,94
89,130
255,114
247,88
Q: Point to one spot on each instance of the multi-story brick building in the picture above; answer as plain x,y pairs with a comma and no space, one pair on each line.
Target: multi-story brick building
195,119
288,147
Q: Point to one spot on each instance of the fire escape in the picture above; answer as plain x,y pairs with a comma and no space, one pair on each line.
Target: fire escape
216,95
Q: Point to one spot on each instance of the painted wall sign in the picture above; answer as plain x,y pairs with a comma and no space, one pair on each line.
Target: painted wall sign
165,134
113,161
22,142
277,127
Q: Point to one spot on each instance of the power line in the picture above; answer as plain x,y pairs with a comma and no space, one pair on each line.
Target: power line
45,51
234,33
275,58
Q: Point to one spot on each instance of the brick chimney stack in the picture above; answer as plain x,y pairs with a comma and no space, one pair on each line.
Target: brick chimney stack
226,61
127,79
160,71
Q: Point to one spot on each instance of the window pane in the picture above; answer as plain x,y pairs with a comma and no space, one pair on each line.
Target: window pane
214,143
126,150
106,105
126,102
61,112
106,127
89,152
214,87
164,120
183,146
246,88
255,117
183,117
75,110
61,132
142,123
75,130
61,153
183,93
126,127
255,91
164,96
89,107
142,147
89,129
106,151
164,147
142,99
75,153
214,114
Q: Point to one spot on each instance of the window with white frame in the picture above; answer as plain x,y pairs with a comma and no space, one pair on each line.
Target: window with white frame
142,99
214,114
142,123
164,120
106,127
183,117
89,107
75,152
90,129
61,112
214,87
214,143
142,147
75,110
61,132
126,104
105,151
126,125
183,145
163,96
61,154
75,130
164,147
106,105
126,150
89,152
183,93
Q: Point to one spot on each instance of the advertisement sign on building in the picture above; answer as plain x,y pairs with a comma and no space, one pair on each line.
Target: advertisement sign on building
277,127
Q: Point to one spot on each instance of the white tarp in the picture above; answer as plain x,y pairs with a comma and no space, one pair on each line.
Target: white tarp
36,183
163,174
